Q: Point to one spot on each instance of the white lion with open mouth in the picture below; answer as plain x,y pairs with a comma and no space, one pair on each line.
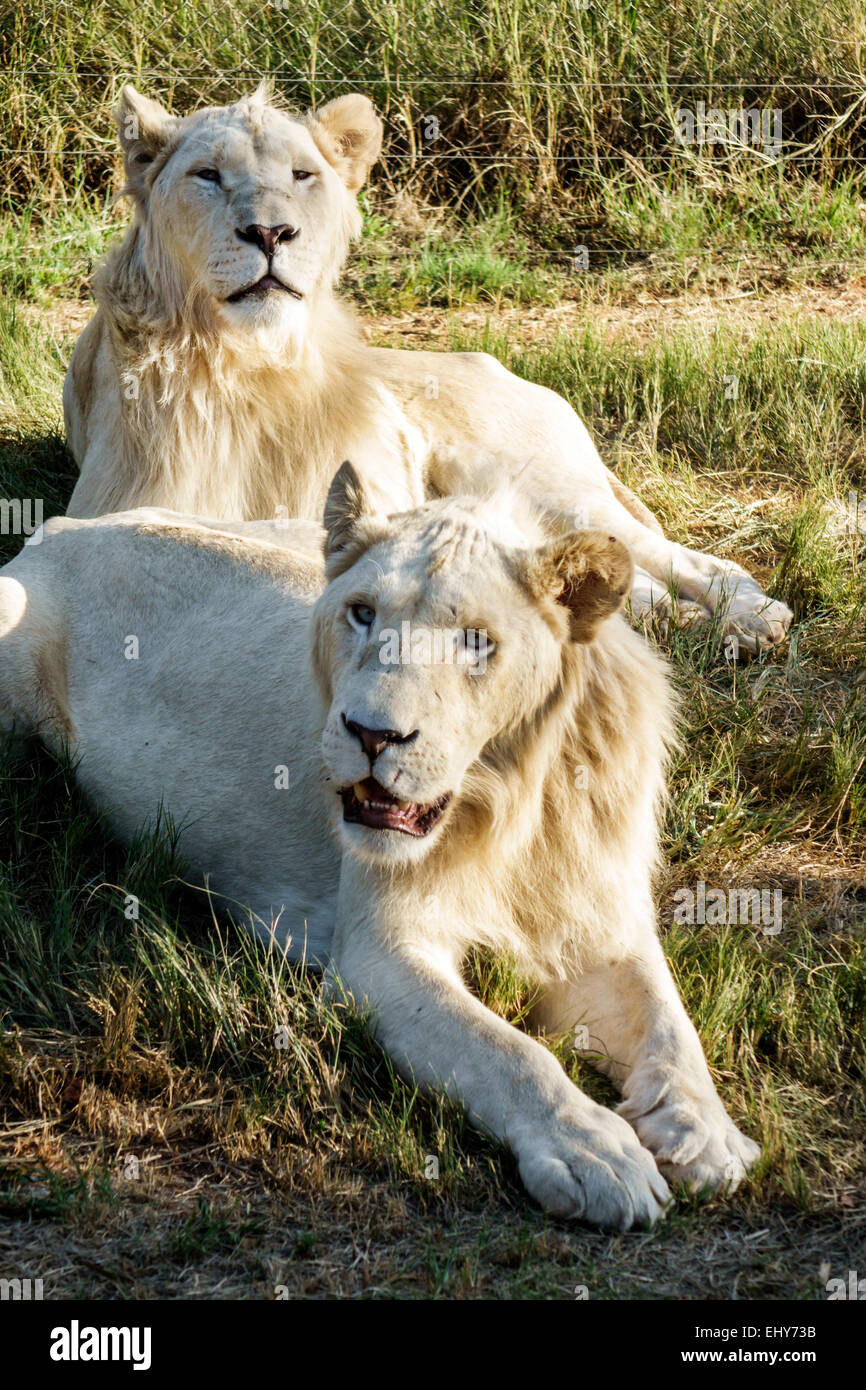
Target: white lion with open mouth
222,376
383,818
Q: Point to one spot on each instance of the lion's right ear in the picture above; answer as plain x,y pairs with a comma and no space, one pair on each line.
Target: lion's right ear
348,514
143,127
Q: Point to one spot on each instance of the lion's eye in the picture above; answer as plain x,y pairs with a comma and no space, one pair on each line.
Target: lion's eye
361,615
301,174
209,175
477,644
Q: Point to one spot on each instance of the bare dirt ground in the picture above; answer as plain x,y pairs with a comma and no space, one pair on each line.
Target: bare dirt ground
644,316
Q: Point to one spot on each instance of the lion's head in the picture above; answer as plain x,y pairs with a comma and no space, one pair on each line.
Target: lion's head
444,640
246,212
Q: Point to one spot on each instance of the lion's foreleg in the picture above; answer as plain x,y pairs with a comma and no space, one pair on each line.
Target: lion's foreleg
575,1157
629,1016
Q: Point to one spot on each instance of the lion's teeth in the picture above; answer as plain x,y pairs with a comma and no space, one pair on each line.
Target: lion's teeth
370,803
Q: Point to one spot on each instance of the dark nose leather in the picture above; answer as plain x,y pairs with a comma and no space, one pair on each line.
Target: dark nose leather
374,740
268,238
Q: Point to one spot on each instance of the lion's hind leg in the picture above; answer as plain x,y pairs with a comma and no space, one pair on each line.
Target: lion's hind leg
15,657
675,581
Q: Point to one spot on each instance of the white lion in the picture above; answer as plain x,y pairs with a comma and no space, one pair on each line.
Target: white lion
221,376
498,787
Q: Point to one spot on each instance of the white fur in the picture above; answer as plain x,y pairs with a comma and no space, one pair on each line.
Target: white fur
530,857
177,397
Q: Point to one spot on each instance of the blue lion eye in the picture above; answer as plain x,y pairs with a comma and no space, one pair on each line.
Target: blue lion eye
362,614
209,175
301,174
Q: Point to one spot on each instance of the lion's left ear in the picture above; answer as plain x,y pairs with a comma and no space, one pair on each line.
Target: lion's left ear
588,572
349,134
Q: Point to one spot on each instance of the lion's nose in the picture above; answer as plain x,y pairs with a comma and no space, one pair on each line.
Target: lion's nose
268,238
374,740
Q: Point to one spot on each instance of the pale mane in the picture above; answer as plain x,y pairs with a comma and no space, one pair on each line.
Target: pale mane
197,400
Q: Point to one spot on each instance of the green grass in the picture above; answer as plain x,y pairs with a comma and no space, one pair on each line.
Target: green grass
410,257
788,401
156,1038
566,113
39,259
484,259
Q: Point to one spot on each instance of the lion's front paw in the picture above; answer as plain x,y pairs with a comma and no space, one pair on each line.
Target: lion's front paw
591,1166
696,1143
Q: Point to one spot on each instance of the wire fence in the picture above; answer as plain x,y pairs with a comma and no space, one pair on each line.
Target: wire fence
532,96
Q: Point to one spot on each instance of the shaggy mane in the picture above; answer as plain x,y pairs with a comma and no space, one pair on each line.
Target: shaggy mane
193,392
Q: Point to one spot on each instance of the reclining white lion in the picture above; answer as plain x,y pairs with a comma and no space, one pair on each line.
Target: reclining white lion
221,376
409,802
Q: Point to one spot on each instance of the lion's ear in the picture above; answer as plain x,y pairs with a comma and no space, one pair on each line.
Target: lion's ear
347,502
349,134
263,95
589,573
143,127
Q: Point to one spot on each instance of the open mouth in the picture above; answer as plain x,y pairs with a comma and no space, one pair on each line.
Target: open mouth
267,285
367,803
